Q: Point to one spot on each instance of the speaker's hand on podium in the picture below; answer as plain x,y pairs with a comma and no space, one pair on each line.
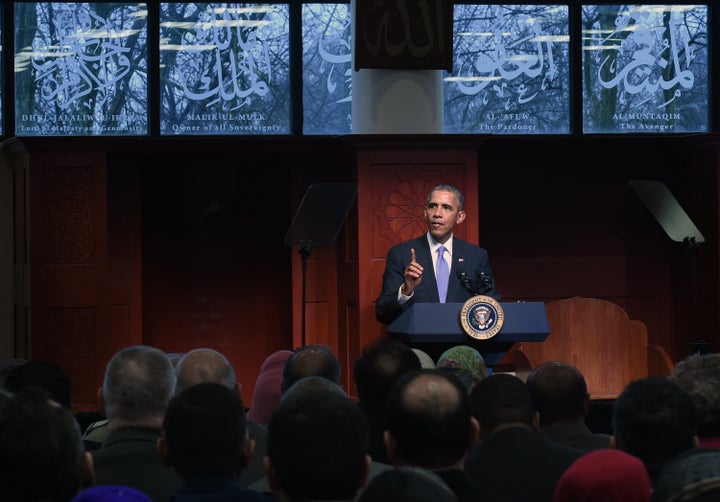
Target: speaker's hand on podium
413,275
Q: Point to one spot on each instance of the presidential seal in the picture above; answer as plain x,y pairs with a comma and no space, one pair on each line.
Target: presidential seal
482,317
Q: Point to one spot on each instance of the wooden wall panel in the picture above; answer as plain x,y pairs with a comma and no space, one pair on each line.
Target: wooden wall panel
68,262
7,255
215,271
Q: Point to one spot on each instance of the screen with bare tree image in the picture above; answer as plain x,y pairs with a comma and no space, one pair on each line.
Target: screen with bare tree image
645,68
81,69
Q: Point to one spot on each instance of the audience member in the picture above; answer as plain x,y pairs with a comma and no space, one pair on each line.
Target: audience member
317,444
379,366
694,471
204,365
96,433
430,425
605,475
513,462
707,490
49,376
139,382
425,360
208,365
654,420
42,457
699,376
266,395
466,363
407,484
87,419
6,366
4,397
111,493
208,462
45,374
311,360
561,399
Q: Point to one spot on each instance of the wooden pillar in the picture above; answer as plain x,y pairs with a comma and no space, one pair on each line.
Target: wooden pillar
81,282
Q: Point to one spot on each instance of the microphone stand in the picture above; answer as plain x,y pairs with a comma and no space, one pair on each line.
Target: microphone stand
317,222
700,346
485,283
304,250
465,281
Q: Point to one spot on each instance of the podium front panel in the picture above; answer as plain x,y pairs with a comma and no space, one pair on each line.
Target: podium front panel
435,327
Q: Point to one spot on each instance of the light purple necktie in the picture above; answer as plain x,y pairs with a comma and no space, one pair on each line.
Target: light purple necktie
442,273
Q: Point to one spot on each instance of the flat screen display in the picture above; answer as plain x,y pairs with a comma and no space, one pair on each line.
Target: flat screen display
224,69
645,68
511,70
326,68
80,69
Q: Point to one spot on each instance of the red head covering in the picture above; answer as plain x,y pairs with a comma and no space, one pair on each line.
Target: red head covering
266,395
605,475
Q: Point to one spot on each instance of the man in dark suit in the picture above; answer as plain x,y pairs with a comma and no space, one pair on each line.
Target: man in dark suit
430,425
139,382
410,269
317,444
208,365
380,365
41,452
561,399
513,462
210,462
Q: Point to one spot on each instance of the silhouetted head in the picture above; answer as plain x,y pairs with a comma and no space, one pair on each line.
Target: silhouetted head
311,360
204,365
559,392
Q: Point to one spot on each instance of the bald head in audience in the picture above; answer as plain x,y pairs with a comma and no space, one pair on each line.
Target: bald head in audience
311,360
433,406
204,365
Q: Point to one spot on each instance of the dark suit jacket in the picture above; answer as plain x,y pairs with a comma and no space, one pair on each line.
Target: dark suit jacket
518,464
463,487
130,456
467,258
218,489
262,485
575,435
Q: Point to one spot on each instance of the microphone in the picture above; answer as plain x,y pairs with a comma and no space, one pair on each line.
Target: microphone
465,281
485,283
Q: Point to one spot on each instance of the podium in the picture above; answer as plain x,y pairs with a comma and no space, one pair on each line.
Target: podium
435,327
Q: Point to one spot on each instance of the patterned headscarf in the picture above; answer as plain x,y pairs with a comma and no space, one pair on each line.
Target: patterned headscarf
464,357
